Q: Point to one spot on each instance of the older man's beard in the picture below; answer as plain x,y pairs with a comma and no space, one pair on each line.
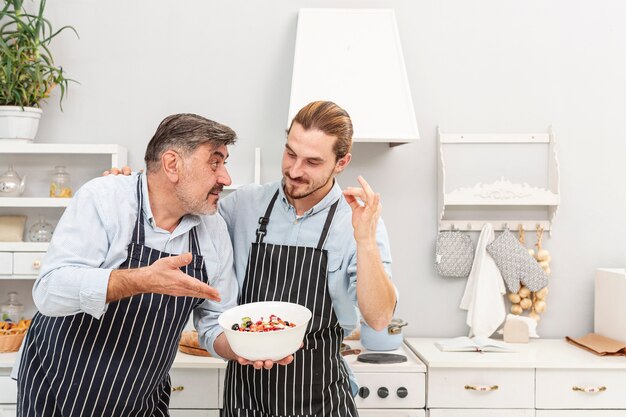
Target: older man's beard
193,205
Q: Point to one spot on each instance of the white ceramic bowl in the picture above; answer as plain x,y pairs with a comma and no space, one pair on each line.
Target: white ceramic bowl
273,345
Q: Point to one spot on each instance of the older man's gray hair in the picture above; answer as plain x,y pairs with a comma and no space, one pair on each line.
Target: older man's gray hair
184,133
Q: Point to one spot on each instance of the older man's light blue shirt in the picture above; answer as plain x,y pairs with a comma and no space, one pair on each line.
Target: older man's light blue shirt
91,240
241,211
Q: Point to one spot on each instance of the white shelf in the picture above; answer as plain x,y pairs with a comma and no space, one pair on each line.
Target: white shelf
34,202
19,277
117,153
61,148
451,200
500,202
462,138
35,154
24,246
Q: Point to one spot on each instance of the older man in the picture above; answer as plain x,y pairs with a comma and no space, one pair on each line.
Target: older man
131,258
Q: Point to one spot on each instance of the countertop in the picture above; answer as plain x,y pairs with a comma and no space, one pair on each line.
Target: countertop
182,360
538,353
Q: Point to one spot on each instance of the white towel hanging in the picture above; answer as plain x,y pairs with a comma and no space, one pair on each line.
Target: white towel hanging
484,293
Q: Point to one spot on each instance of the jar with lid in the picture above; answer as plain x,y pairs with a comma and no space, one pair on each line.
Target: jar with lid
12,310
60,184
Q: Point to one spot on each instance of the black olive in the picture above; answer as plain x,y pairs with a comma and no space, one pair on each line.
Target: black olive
248,323
235,326
286,323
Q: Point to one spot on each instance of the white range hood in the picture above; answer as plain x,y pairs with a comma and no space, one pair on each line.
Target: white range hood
354,58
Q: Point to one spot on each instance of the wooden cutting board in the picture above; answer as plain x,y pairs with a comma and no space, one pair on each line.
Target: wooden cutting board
189,344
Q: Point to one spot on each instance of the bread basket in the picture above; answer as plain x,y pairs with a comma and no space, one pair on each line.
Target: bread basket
12,335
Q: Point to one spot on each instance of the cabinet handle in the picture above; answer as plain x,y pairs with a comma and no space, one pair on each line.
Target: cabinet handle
179,388
482,388
37,264
589,389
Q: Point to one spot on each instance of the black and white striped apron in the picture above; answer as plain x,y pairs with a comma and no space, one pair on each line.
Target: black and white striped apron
316,382
117,365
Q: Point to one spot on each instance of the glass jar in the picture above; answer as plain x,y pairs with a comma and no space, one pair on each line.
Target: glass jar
60,184
40,231
12,310
11,184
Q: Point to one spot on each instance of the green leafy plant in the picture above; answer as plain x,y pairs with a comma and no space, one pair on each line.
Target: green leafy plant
28,73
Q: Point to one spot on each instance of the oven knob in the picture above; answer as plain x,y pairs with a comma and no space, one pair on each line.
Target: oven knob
364,392
383,392
402,392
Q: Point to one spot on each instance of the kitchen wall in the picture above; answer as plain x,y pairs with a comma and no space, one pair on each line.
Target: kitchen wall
474,66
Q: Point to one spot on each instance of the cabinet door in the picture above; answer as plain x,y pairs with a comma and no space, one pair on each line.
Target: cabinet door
372,412
193,413
194,388
581,388
487,388
7,411
477,412
27,263
8,390
6,263
581,413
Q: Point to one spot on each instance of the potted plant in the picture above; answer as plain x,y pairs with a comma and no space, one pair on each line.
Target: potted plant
28,73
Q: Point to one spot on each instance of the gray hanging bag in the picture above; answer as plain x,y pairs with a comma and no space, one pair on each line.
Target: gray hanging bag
454,254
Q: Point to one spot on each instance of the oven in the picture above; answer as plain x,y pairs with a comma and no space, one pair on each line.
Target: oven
389,389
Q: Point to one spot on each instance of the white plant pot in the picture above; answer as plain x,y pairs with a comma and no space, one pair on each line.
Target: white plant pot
17,123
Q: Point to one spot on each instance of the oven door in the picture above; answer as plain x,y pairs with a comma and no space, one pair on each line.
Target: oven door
376,412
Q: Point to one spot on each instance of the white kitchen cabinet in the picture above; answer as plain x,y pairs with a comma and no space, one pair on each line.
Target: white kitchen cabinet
8,389
27,263
391,413
481,388
191,386
581,388
6,263
7,411
194,413
35,161
480,412
580,413
544,378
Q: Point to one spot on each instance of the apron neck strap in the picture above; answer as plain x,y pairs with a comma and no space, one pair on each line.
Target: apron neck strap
194,243
261,231
327,224
139,233
263,221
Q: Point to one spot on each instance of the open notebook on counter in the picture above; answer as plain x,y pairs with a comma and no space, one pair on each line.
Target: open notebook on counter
475,344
